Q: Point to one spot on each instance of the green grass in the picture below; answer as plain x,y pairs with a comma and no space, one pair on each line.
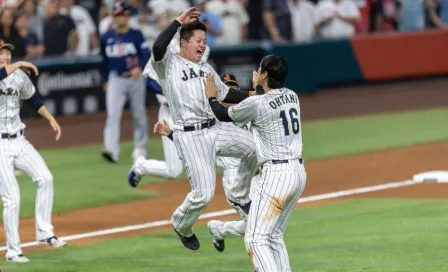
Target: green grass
359,235
83,180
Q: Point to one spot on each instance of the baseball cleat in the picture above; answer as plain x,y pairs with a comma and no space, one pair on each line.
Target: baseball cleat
18,259
53,241
191,242
108,156
218,240
133,178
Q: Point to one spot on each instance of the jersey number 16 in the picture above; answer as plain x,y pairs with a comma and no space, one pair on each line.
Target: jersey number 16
293,119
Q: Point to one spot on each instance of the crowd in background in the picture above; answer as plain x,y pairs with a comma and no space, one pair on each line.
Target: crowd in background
73,27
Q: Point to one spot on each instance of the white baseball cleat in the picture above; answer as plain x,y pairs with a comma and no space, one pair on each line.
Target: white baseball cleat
53,241
218,239
18,259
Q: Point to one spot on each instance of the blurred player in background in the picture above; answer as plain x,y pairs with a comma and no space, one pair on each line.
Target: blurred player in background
125,54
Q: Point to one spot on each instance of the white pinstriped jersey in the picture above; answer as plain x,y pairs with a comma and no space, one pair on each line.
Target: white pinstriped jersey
276,124
15,87
183,84
175,48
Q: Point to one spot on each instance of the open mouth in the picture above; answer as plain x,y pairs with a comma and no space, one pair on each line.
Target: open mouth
200,52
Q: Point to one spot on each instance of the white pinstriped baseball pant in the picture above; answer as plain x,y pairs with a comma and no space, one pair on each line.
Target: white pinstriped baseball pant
19,153
198,150
279,190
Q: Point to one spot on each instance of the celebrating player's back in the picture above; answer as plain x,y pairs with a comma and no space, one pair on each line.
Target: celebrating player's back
275,119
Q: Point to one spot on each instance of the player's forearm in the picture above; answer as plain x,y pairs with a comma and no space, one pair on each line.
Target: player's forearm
163,40
9,69
43,111
221,112
235,96
269,20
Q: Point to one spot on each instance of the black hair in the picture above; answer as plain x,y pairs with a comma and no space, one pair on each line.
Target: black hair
186,32
277,70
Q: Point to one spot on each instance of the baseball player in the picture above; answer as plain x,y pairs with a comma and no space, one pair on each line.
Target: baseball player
218,229
125,53
275,119
17,152
172,166
199,138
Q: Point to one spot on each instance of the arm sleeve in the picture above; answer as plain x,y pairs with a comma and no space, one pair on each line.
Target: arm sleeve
163,40
245,111
3,73
235,96
35,101
269,5
170,136
219,110
143,49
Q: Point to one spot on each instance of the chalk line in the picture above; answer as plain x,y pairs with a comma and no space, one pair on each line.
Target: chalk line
226,212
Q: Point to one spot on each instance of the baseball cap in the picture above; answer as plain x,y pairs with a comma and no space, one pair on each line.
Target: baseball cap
120,8
228,78
9,46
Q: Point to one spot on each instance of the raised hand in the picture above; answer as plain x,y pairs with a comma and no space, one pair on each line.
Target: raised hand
189,15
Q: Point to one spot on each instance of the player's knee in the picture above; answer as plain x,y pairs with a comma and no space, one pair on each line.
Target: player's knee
173,172
44,178
203,198
11,203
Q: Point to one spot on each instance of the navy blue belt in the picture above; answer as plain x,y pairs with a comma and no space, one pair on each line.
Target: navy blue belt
11,136
286,161
204,125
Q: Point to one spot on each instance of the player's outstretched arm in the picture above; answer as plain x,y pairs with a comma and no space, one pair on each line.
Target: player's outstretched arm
220,111
163,40
53,123
36,103
236,96
11,68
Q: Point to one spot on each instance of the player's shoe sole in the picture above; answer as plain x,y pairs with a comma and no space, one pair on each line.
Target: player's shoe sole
53,241
18,259
133,178
191,242
218,242
107,156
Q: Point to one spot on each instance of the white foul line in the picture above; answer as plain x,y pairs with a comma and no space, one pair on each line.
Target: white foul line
227,212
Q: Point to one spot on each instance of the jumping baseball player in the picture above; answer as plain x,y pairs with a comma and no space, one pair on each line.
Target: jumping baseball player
125,53
172,166
199,138
275,119
218,229
17,152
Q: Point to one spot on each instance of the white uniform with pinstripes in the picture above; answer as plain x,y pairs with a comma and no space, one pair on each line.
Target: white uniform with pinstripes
172,166
183,85
20,154
275,118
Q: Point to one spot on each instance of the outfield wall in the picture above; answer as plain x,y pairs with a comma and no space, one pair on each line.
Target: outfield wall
72,86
